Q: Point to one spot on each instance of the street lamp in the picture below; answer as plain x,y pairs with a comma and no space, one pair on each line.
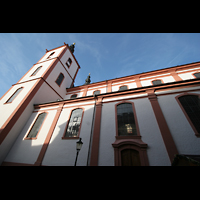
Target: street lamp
78,148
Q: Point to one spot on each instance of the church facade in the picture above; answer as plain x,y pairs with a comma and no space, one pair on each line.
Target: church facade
144,119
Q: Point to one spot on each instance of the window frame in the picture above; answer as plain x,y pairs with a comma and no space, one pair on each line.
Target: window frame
96,91
13,95
197,134
36,71
35,119
62,79
67,62
138,136
123,86
195,73
51,54
68,120
73,97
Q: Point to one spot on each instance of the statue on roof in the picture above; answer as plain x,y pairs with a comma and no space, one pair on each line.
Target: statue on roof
87,80
72,46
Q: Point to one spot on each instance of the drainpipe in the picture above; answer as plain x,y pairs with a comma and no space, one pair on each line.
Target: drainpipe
91,129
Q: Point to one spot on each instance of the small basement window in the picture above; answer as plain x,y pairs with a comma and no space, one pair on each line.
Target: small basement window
157,82
73,96
197,75
124,87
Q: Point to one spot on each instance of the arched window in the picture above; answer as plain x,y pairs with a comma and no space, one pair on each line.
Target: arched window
14,95
36,126
197,75
60,79
124,87
191,105
156,82
73,127
125,120
50,55
36,71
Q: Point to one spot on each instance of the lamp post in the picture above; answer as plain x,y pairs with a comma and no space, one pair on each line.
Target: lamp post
78,148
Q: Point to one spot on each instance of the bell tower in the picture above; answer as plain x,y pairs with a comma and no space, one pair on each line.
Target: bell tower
46,81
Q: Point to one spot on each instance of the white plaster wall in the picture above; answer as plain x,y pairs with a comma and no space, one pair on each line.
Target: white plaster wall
53,77
44,67
186,76
168,79
149,130
107,135
27,151
8,108
63,152
182,133
14,132
45,94
146,83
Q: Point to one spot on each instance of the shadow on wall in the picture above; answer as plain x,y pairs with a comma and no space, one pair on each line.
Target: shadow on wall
59,152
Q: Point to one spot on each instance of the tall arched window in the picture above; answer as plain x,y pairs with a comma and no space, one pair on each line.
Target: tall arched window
191,105
36,126
125,120
74,124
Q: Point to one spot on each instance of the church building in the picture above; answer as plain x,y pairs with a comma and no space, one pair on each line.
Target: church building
146,119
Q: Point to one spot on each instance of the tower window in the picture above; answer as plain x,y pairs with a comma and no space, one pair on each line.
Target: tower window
36,71
50,55
197,75
60,79
36,126
69,62
73,127
157,82
14,95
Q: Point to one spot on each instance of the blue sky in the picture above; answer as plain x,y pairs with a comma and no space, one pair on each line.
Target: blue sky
104,55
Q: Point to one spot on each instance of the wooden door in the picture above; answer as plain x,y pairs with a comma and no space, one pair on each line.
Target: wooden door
130,157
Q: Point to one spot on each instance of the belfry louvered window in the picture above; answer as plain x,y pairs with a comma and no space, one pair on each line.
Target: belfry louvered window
191,105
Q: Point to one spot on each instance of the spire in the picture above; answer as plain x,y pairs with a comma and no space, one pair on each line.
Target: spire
72,46
87,80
